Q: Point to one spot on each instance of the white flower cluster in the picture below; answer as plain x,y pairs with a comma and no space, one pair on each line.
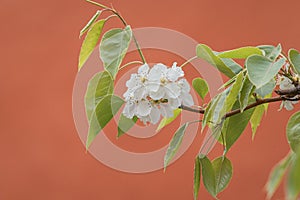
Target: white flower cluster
156,91
286,84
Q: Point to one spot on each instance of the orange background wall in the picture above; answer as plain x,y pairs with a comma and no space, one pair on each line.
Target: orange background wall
41,154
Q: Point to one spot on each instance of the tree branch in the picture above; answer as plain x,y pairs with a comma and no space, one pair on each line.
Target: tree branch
257,103
183,107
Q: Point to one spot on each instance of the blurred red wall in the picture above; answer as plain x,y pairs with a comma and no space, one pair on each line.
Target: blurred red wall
41,154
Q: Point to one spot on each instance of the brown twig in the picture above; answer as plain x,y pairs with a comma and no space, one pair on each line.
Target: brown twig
257,103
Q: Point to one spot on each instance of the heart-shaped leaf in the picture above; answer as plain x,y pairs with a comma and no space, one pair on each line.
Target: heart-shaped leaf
293,131
294,58
261,69
266,89
113,47
223,172
208,175
270,51
200,86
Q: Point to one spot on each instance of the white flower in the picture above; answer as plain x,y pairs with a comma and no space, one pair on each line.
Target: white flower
175,72
288,105
156,91
286,84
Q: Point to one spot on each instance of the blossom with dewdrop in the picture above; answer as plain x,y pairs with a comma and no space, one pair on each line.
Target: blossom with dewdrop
155,92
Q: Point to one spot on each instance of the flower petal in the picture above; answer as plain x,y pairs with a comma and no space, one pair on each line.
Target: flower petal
157,72
187,99
143,108
154,115
288,105
172,90
174,103
175,72
133,81
166,110
152,86
129,110
140,93
159,94
184,85
143,70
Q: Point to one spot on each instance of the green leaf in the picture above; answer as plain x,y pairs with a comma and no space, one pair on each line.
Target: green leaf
266,105
90,42
256,118
270,51
125,124
104,112
201,87
89,24
212,138
277,174
208,175
240,53
234,66
234,92
245,92
234,127
210,110
294,58
113,47
174,144
223,172
261,69
208,55
293,181
220,109
197,177
293,131
99,86
228,83
165,121
222,103
266,89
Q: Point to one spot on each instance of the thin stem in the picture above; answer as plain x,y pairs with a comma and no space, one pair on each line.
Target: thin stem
124,23
188,61
130,63
139,49
98,4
